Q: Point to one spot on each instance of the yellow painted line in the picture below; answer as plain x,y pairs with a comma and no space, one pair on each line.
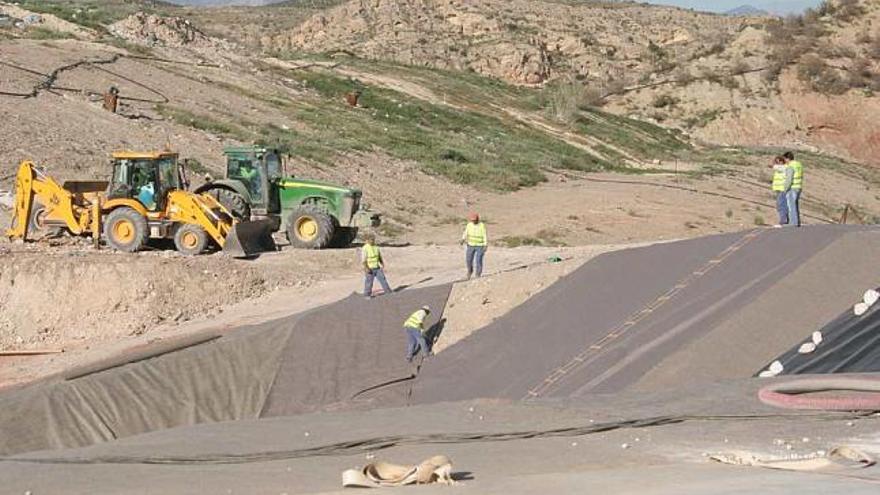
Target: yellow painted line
314,186
640,315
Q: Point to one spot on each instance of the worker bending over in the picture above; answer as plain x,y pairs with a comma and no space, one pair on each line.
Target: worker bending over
415,333
477,241
373,264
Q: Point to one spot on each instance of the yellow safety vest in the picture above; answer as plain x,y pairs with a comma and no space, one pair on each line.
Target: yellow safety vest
371,256
778,178
416,320
476,234
797,180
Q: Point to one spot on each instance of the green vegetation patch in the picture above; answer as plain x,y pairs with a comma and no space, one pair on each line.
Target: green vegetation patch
464,146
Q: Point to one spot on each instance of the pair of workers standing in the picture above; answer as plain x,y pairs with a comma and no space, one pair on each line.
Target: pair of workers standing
476,240
788,181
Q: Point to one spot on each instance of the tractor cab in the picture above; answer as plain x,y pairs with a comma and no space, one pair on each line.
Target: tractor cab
145,177
259,170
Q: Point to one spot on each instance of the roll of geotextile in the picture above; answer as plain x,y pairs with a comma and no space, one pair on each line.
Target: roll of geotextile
861,394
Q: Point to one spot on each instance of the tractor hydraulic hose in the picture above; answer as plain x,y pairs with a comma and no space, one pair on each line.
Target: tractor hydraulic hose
863,394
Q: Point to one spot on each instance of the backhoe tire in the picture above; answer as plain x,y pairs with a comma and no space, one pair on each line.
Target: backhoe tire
234,202
309,227
190,240
126,230
344,236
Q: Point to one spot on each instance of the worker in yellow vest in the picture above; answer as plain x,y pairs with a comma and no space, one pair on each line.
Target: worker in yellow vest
415,333
780,171
793,191
374,265
477,242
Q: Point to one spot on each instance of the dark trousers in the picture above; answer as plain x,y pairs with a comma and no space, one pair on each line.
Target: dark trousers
416,342
473,257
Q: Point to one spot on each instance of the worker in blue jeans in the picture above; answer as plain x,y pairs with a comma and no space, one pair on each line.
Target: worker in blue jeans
477,242
373,264
794,183
415,333
781,174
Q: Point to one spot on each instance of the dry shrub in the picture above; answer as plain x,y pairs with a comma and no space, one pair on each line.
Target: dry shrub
567,97
821,78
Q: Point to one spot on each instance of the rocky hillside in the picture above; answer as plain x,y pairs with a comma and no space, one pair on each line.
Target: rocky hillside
455,133
519,41
728,80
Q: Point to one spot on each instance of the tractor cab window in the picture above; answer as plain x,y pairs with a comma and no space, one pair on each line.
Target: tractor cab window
273,166
249,173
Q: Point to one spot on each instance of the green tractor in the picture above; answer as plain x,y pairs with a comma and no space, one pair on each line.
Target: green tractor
314,214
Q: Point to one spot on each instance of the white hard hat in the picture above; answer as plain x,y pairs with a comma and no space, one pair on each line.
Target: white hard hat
427,308
871,296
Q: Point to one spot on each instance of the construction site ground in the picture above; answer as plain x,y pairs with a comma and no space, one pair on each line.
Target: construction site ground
634,286
678,414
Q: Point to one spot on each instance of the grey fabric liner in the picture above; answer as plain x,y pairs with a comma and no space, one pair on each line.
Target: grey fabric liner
850,344
348,350
518,351
324,359
317,359
484,448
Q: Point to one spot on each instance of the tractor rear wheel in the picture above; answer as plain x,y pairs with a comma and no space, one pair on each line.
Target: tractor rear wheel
344,236
190,240
234,202
126,230
309,227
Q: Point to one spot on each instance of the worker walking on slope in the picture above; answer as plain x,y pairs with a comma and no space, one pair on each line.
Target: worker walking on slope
477,241
374,265
780,172
793,191
415,333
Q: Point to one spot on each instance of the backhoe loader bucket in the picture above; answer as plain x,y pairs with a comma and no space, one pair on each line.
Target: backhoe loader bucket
246,239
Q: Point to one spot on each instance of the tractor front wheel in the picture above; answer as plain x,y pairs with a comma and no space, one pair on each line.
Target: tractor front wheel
190,240
126,230
309,227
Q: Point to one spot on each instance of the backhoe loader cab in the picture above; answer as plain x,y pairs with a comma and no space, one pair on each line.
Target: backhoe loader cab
144,199
146,177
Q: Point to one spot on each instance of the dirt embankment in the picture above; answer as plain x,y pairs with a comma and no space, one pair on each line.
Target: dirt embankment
51,298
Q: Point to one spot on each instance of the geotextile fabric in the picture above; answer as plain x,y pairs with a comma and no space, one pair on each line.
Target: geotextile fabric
319,359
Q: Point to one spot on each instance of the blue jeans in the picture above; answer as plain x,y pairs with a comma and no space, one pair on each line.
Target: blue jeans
416,342
474,256
378,274
792,198
782,207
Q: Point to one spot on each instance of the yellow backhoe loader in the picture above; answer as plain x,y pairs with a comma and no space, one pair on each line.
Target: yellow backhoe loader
145,198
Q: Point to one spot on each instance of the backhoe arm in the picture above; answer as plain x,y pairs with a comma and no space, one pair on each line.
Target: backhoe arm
30,183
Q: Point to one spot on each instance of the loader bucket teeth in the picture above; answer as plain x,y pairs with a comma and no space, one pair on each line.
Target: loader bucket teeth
246,239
